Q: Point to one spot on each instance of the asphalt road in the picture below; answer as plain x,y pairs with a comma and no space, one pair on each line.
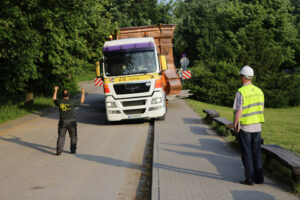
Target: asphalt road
108,163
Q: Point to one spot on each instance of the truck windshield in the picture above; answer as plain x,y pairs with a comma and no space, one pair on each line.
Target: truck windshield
129,63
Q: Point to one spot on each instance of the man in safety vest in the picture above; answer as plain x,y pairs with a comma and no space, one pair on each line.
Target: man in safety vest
249,106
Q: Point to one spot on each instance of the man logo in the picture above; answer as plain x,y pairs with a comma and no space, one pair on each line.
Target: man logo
132,89
65,107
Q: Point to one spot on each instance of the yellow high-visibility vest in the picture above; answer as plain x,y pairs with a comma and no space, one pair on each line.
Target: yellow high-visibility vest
253,105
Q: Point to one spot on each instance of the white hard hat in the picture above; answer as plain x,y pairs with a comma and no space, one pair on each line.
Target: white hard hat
247,71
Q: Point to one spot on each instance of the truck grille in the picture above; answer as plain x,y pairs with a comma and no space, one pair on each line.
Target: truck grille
131,88
136,111
134,103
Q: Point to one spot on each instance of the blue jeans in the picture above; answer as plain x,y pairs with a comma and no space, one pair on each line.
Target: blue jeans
251,156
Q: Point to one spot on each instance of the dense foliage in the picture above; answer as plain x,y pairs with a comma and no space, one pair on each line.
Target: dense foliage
129,13
44,42
48,42
221,36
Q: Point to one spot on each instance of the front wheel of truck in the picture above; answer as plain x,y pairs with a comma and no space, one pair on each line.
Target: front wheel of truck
162,118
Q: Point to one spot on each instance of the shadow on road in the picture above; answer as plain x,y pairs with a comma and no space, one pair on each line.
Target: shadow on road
221,163
229,166
92,111
199,130
187,171
187,120
245,194
109,161
39,147
215,152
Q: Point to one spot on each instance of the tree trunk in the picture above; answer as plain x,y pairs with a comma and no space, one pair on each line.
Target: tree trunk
28,97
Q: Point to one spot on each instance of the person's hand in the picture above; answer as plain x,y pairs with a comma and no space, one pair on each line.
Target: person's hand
55,93
82,95
236,127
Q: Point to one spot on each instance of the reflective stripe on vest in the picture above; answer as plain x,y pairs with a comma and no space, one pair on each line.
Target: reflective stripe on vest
253,105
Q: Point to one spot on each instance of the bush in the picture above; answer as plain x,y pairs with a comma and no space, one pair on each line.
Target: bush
280,89
214,82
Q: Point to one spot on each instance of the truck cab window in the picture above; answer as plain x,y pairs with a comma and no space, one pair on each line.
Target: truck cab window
126,63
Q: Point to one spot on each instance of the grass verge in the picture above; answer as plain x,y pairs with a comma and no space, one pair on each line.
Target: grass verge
12,111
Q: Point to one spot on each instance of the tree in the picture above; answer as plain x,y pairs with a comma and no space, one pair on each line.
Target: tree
120,11
129,13
44,43
197,30
19,54
296,13
261,34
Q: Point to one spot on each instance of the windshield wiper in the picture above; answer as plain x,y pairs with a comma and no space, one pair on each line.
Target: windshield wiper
143,72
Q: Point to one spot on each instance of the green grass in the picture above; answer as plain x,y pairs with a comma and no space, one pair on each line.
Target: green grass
86,76
13,111
281,127
10,111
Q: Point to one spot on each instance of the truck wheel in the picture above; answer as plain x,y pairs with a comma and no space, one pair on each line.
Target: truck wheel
162,118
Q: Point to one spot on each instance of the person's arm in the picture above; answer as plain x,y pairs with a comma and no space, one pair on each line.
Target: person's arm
82,95
55,93
237,117
237,106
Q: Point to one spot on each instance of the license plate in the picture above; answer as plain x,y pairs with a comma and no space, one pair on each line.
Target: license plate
134,116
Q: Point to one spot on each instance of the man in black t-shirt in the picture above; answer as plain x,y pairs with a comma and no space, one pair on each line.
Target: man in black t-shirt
67,119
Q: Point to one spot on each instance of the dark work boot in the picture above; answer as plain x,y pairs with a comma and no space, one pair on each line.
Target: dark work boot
246,182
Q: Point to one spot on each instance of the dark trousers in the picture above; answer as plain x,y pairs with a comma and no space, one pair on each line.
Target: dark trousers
63,126
251,156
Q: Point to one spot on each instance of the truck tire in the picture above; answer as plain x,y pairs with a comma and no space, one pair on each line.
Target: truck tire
162,118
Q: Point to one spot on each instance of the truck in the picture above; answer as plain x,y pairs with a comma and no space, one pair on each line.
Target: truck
138,72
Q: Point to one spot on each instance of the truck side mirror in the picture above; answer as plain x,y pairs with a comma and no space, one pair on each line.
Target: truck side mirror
98,69
163,63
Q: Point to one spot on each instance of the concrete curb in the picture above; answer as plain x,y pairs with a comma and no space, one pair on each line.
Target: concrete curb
155,167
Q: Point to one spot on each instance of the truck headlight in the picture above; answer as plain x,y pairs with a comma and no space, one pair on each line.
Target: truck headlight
156,100
111,105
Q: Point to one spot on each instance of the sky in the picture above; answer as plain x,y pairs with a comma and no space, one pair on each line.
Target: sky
162,1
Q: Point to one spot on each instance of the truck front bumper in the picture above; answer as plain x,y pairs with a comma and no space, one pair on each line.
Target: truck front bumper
136,108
